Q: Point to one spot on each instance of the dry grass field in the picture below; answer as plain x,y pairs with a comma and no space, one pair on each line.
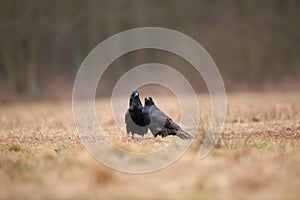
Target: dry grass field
257,157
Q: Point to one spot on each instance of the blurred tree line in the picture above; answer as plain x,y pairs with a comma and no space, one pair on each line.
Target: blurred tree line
251,40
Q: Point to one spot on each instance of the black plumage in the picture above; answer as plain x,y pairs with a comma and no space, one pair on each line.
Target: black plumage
159,123
134,117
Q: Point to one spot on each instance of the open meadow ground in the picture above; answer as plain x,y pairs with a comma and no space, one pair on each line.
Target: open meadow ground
257,157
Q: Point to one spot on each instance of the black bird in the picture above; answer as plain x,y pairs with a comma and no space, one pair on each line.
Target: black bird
134,117
159,123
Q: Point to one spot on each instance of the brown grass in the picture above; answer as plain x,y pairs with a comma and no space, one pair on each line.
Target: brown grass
257,157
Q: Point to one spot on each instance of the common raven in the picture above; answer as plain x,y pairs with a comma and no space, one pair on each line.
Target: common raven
134,117
159,123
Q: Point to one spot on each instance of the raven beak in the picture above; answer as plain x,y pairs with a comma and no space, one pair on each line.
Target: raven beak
136,94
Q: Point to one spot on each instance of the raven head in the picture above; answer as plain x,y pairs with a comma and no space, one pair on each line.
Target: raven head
135,102
135,94
149,101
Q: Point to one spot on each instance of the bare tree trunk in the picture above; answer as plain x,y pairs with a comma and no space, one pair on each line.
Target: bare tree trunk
32,82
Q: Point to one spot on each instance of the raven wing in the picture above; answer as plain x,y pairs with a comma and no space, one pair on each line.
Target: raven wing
163,125
128,122
158,120
132,127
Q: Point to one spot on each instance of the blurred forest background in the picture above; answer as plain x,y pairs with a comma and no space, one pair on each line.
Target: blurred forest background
255,44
